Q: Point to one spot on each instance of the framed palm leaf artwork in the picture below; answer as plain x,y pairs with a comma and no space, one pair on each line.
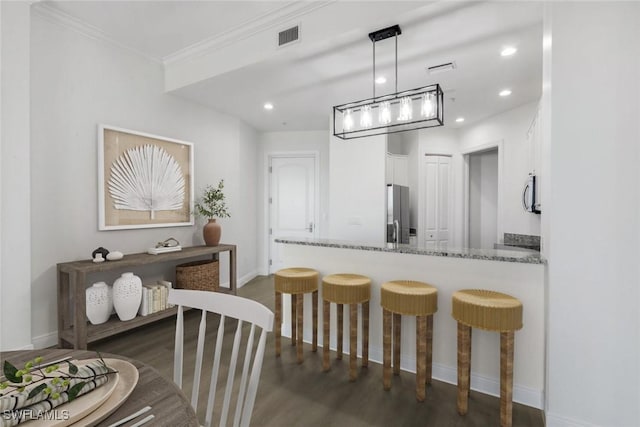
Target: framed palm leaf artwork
144,180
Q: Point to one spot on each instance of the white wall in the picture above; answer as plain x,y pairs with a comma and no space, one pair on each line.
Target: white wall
15,210
357,189
246,200
544,180
399,143
78,82
594,241
289,142
510,128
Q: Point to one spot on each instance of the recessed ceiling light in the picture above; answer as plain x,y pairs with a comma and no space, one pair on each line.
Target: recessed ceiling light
460,119
505,92
508,51
381,80
268,106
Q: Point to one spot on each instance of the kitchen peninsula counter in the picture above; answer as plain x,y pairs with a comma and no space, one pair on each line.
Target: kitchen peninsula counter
517,273
506,255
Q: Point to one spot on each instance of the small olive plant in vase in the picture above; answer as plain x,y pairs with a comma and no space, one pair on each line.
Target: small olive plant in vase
212,206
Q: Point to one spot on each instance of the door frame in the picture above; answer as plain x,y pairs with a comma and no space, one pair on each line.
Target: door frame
268,157
421,199
497,144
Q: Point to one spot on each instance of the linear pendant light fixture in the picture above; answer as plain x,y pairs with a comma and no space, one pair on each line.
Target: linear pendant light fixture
397,112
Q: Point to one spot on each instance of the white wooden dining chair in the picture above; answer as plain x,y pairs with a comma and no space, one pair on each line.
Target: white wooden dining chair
227,306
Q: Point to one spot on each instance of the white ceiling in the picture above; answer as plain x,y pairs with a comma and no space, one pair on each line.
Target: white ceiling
161,28
305,80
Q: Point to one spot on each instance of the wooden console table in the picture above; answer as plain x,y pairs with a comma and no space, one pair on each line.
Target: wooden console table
73,329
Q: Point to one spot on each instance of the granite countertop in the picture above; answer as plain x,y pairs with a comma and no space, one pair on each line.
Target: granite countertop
527,257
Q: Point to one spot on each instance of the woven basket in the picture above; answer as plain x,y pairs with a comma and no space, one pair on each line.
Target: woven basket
198,275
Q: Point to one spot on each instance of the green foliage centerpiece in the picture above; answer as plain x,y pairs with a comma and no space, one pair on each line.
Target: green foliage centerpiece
212,206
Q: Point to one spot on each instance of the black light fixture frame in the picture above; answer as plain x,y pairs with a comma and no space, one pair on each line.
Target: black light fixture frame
414,94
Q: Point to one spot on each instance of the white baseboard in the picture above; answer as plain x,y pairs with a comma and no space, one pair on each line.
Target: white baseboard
491,386
555,420
448,373
248,277
243,280
45,340
27,347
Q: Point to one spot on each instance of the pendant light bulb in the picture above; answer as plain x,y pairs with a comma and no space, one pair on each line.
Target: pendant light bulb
406,112
365,117
384,115
427,109
348,120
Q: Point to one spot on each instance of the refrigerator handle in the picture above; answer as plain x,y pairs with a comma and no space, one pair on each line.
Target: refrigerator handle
396,230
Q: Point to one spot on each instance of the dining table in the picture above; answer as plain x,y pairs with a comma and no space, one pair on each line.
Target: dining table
169,405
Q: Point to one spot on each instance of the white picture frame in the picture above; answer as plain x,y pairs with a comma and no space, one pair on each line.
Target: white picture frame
128,166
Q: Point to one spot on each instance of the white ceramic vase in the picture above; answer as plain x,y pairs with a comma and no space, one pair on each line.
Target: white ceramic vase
99,303
127,295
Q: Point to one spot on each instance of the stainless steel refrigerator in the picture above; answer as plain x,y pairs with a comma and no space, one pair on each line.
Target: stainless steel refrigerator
397,214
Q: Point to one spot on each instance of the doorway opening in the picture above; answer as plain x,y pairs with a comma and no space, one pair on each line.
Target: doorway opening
483,173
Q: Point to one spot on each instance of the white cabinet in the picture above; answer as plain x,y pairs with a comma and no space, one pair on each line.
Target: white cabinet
397,169
534,155
534,144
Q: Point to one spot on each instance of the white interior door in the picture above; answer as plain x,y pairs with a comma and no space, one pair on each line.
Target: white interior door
437,198
292,201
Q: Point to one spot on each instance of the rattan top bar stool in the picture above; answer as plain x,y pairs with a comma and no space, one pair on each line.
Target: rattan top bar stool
296,281
409,298
492,311
350,289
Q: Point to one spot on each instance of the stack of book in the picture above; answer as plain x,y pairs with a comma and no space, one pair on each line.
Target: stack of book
154,297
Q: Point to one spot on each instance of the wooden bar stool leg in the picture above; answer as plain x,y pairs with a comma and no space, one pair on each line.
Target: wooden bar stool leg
326,321
429,348
340,309
300,315
397,336
314,302
353,342
278,322
506,378
469,364
294,304
386,345
365,334
421,357
464,345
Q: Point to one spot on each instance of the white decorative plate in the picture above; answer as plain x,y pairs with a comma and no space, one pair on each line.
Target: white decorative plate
128,378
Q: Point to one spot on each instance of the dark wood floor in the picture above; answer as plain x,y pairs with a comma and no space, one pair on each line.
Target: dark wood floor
301,395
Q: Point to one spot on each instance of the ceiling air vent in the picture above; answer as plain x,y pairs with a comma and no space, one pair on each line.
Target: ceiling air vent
441,68
287,36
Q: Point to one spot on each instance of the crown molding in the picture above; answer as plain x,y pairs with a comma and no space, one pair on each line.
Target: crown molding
274,18
56,16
